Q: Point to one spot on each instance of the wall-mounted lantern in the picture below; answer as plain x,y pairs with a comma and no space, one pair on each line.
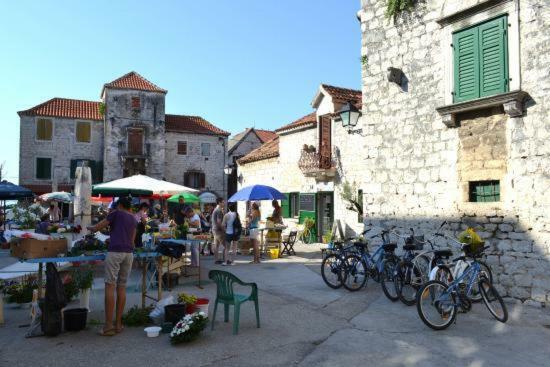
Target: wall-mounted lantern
349,114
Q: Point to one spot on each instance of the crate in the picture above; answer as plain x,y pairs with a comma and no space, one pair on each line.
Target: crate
30,248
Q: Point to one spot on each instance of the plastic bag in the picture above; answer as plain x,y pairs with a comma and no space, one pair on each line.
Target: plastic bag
36,324
157,315
470,237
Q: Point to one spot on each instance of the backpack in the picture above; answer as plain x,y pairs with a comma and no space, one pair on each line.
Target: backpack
237,227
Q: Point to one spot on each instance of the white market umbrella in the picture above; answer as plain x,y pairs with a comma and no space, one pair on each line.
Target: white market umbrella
208,198
61,196
140,185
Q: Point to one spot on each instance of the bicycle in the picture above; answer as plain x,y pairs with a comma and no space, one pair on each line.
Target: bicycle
443,300
379,266
333,259
408,275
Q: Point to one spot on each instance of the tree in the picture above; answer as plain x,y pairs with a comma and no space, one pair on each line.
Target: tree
351,196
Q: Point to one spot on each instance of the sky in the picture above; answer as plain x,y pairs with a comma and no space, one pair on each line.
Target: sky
237,63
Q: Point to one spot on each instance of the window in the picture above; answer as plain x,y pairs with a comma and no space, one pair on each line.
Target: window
484,191
44,129
205,149
43,168
481,60
360,202
83,131
136,103
194,179
182,147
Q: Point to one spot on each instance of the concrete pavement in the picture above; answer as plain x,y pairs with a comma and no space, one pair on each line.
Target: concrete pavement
304,323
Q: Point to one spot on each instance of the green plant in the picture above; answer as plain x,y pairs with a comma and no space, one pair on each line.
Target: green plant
395,7
350,194
364,60
84,278
327,237
20,292
70,287
102,108
24,217
186,298
188,328
136,316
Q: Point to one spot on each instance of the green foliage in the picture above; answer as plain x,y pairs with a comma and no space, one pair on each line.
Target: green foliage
102,108
188,328
395,7
70,287
186,298
26,217
364,60
83,278
349,194
20,292
327,236
137,316
309,224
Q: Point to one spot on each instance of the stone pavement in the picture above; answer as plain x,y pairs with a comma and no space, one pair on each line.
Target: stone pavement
304,323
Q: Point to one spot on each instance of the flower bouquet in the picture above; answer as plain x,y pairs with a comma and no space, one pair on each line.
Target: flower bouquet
188,328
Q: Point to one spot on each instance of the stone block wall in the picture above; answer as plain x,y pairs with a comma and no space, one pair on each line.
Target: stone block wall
61,149
415,167
212,165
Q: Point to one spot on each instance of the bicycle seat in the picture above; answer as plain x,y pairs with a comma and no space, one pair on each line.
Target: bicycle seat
443,253
360,244
409,247
389,247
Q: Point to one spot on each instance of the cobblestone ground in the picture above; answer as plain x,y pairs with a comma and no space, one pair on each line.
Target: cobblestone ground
304,323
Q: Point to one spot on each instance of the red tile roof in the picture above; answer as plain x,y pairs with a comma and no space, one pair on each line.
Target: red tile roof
310,119
266,151
133,80
67,108
343,94
192,124
265,135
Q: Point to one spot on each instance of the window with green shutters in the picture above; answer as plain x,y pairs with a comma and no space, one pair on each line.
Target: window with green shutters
481,60
484,191
285,207
43,168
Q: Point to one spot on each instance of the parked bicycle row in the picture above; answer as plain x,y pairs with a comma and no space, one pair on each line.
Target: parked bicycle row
441,281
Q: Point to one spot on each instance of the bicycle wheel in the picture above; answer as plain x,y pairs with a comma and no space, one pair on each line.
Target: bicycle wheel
444,274
331,270
387,280
355,273
407,281
436,306
493,300
485,271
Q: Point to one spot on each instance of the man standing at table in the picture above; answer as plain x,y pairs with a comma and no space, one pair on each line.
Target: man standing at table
217,229
118,263
179,212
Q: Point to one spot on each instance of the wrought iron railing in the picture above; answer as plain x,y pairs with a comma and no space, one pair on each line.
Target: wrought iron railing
313,161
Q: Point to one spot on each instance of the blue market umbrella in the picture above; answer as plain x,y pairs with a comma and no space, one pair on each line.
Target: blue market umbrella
257,192
9,191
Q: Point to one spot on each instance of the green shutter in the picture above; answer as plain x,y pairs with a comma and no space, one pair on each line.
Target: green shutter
97,176
74,163
285,208
44,168
466,65
493,55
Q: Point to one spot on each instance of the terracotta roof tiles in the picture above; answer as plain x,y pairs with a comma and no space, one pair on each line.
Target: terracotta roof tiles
265,135
133,80
343,94
66,108
310,119
266,151
192,124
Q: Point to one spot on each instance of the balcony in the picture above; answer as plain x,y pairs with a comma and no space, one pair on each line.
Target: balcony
317,165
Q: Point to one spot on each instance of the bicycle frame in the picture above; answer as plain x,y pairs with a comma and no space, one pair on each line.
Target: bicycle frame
473,272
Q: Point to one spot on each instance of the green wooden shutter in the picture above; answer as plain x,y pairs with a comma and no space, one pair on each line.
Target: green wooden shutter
74,163
466,65
285,208
44,168
494,57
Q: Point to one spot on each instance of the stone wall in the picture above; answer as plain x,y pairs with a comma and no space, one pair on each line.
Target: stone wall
120,116
61,149
212,165
415,167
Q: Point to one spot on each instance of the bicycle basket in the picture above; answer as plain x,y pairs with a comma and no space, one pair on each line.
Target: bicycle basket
417,241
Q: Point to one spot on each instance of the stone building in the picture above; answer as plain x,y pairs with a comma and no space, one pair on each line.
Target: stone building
240,145
126,133
462,134
304,162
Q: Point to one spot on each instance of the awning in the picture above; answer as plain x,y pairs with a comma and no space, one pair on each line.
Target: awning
140,185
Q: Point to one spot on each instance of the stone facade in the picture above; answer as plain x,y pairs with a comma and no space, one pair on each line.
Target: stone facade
416,169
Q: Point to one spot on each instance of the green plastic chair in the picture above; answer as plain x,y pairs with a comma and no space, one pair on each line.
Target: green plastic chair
224,294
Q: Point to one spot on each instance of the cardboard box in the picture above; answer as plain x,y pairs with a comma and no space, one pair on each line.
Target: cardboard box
30,248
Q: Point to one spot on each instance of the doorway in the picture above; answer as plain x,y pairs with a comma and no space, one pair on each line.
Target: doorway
325,213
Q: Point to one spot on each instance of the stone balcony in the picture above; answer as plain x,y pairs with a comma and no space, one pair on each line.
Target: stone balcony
313,164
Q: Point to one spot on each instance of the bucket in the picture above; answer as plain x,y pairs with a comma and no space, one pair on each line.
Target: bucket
274,253
75,319
174,313
190,308
202,305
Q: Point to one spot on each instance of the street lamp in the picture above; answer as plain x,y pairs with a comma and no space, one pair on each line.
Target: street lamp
228,169
349,114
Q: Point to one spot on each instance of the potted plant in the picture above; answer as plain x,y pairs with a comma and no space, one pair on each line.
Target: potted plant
189,300
20,293
188,328
70,287
327,236
84,279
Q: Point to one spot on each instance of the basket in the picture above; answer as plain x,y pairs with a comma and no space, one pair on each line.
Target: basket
75,319
274,253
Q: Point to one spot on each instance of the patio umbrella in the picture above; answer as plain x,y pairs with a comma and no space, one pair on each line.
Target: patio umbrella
9,191
140,185
188,197
208,198
61,196
257,192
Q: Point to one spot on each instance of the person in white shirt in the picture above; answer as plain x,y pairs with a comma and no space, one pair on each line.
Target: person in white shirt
193,218
231,237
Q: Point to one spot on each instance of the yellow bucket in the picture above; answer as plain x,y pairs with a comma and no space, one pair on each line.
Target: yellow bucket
274,253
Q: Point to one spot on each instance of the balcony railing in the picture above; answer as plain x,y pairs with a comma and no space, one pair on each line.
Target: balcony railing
314,164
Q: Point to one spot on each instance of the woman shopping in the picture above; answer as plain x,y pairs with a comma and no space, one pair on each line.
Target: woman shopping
253,224
233,228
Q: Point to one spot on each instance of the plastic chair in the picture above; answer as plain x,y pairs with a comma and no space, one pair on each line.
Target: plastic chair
224,294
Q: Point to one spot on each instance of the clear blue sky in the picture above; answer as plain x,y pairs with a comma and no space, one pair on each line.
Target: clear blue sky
236,63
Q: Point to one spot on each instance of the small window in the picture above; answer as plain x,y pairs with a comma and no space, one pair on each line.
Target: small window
83,131
182,147
43,168
484,191
194,179
136,103
205,149
44,129
360,202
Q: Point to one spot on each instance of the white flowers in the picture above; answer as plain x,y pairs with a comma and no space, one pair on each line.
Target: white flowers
188,327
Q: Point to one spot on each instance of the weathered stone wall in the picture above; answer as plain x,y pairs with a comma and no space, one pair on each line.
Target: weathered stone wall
415,166
212,165
61,149
120,116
